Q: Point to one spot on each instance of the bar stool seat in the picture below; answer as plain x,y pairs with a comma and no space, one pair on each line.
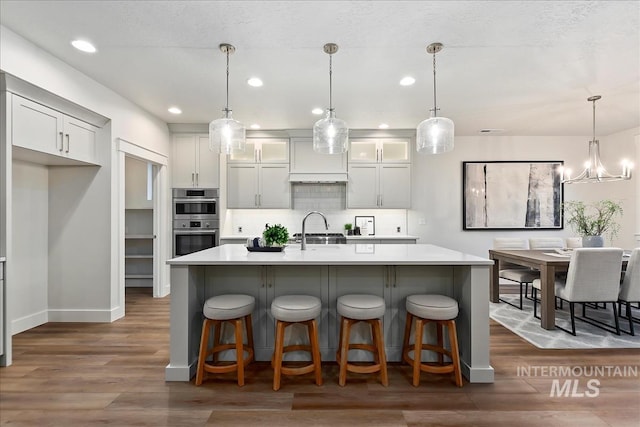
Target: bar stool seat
439,309
288,310
354,309
235,309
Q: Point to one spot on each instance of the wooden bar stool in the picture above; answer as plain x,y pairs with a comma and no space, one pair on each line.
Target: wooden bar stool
355,309
288,310
441,310
217,310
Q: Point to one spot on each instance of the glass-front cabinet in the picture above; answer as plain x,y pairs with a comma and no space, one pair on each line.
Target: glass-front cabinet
262,150
379,150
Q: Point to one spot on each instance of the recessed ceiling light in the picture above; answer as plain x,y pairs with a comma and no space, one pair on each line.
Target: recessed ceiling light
317,111
254,81
255,126
175,110
383,126
84,46
407,81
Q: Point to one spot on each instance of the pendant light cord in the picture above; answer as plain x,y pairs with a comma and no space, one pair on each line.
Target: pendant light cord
226,108
594,119
330,83
435,104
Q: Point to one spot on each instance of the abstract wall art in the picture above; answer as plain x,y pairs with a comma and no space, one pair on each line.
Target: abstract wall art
512,195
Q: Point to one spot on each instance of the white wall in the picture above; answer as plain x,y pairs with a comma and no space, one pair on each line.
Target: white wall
29,204
92,292
437,185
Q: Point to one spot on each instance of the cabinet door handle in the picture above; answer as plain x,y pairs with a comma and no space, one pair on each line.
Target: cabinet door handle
197,179
193,180
61,142
67,135
377,155
381,200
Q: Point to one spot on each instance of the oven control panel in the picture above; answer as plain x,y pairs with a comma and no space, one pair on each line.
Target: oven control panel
186,224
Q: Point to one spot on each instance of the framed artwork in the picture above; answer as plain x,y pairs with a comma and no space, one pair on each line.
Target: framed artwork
512,195
367,225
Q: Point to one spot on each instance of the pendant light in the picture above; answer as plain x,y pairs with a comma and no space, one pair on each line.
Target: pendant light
226,135
330,135
434,135
594,170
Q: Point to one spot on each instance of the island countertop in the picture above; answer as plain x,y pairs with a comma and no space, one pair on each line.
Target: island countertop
354,254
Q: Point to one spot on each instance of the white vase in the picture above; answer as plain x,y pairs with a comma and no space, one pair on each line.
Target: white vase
592,241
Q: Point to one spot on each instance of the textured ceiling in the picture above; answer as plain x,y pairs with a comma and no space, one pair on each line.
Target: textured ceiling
523,66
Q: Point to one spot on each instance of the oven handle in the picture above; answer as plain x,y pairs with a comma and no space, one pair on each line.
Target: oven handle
188,231
215,200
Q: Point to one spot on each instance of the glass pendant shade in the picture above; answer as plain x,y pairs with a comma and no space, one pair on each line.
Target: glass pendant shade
226,135
435,135
330,135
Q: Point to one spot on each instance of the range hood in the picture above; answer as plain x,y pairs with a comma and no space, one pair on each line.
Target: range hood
318,177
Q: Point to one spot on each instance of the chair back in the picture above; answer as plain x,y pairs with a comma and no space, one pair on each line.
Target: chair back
573,242
630,288
546,243
594,275
509,243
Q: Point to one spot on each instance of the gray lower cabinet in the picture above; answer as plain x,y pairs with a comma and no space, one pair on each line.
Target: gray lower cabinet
264,283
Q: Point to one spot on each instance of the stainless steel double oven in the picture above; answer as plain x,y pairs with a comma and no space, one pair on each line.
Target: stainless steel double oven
196,221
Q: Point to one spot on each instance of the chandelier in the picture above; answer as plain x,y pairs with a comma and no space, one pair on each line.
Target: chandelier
594,170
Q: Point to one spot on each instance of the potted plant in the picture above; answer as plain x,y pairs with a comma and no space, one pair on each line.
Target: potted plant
592,221
348,229
275,235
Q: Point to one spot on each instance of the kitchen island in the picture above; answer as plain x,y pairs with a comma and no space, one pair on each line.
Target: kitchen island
391,271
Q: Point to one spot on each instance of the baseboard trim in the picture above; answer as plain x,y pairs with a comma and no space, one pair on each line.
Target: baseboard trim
89,316
28,322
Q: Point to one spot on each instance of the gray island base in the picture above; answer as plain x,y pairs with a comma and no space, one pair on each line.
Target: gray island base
328,271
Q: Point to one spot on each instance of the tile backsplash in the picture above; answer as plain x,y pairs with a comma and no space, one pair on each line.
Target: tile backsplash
319,197
252,221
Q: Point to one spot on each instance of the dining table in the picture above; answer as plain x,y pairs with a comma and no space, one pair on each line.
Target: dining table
547,261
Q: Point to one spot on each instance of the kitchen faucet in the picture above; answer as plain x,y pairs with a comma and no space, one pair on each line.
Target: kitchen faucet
303,246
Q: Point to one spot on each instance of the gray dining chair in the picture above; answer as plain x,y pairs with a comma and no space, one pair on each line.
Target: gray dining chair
593,277
573,242
537,243
515,273
630,288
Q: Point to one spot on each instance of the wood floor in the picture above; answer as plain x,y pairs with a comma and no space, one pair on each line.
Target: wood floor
68,374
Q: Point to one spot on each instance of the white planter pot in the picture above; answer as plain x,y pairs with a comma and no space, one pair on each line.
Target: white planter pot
592,241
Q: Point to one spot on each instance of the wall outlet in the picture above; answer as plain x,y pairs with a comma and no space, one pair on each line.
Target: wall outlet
240,229
398,229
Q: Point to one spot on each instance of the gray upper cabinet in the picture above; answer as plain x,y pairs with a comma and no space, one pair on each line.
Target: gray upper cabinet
50,136
379,173
306,161
194,165
259,176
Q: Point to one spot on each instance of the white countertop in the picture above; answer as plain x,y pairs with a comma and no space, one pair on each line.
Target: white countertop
2,259
382,237
377,236
353,254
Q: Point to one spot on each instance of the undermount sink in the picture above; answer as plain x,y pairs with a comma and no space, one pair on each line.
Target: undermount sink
322,238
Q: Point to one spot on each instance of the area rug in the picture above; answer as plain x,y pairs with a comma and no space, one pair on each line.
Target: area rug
522,323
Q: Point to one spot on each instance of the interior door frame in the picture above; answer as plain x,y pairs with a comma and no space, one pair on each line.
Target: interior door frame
161,242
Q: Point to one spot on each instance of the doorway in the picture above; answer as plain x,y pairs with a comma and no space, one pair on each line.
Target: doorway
143,212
